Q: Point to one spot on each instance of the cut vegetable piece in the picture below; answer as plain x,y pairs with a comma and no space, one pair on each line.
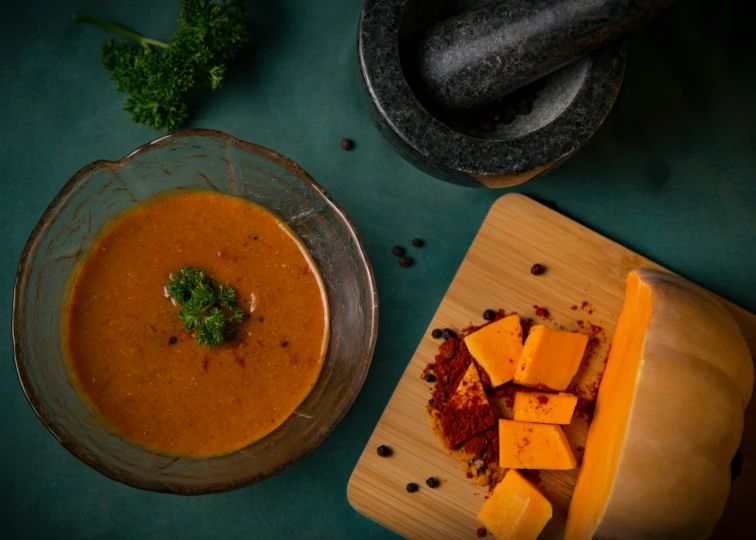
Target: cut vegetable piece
497,348
528,445
550,358
516,510
669,416
468,411
544,407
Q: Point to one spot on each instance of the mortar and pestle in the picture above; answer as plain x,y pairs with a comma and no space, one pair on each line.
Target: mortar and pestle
491,93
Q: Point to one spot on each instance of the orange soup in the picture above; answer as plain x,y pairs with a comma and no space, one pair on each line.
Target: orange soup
146,375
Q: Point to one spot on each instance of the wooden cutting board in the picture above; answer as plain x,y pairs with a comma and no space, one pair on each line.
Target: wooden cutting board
584,281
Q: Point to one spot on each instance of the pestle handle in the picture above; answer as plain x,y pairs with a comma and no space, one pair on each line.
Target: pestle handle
471,59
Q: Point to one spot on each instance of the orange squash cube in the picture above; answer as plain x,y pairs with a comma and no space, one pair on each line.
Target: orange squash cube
528,445
497,348
516,510
550,358
544,407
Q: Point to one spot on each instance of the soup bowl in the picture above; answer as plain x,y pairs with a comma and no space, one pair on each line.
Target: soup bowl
205,160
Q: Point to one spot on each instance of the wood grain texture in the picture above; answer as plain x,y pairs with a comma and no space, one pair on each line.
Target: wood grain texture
581,266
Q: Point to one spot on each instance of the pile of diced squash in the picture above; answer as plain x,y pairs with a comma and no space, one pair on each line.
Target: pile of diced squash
533,438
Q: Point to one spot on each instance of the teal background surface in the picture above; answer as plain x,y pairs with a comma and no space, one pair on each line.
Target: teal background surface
670,174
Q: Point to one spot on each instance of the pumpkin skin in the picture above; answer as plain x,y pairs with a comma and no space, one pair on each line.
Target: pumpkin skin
668,419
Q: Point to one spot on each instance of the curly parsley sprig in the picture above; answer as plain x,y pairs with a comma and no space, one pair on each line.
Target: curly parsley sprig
206,309
158,83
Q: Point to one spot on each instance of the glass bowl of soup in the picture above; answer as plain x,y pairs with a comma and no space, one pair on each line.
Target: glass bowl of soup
110,369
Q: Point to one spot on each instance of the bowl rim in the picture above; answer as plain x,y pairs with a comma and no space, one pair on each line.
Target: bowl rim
24,268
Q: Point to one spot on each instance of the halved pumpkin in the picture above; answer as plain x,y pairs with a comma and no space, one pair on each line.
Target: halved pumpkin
668,419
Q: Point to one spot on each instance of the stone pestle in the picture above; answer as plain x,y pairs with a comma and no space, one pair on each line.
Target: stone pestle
473,58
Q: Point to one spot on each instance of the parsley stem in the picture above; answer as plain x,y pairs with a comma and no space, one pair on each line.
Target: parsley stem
142,40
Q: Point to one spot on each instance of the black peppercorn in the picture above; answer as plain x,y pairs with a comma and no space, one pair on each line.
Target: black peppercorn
405,261
489,314
537,269
384,451
346,144
397,251
417,242
173,340
412,487
431,402
429,377
432,482
436,333
284,344
446,333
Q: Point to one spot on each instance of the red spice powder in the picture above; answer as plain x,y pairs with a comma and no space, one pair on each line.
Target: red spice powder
459,423
543,400
475,445
573,308
473,426
542,312
485,445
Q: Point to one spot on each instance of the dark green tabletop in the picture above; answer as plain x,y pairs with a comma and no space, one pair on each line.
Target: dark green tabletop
670,174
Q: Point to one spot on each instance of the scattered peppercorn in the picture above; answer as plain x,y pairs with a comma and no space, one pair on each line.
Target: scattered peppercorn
489,314
346,144
417,242
405,261
429,377
284,344
432,482
260,319
398,251
481,532
412,487
447,333
537,269
173,340
436,333
431,402
384,451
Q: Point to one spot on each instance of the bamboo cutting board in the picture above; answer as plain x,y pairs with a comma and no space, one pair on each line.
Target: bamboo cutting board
584,281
